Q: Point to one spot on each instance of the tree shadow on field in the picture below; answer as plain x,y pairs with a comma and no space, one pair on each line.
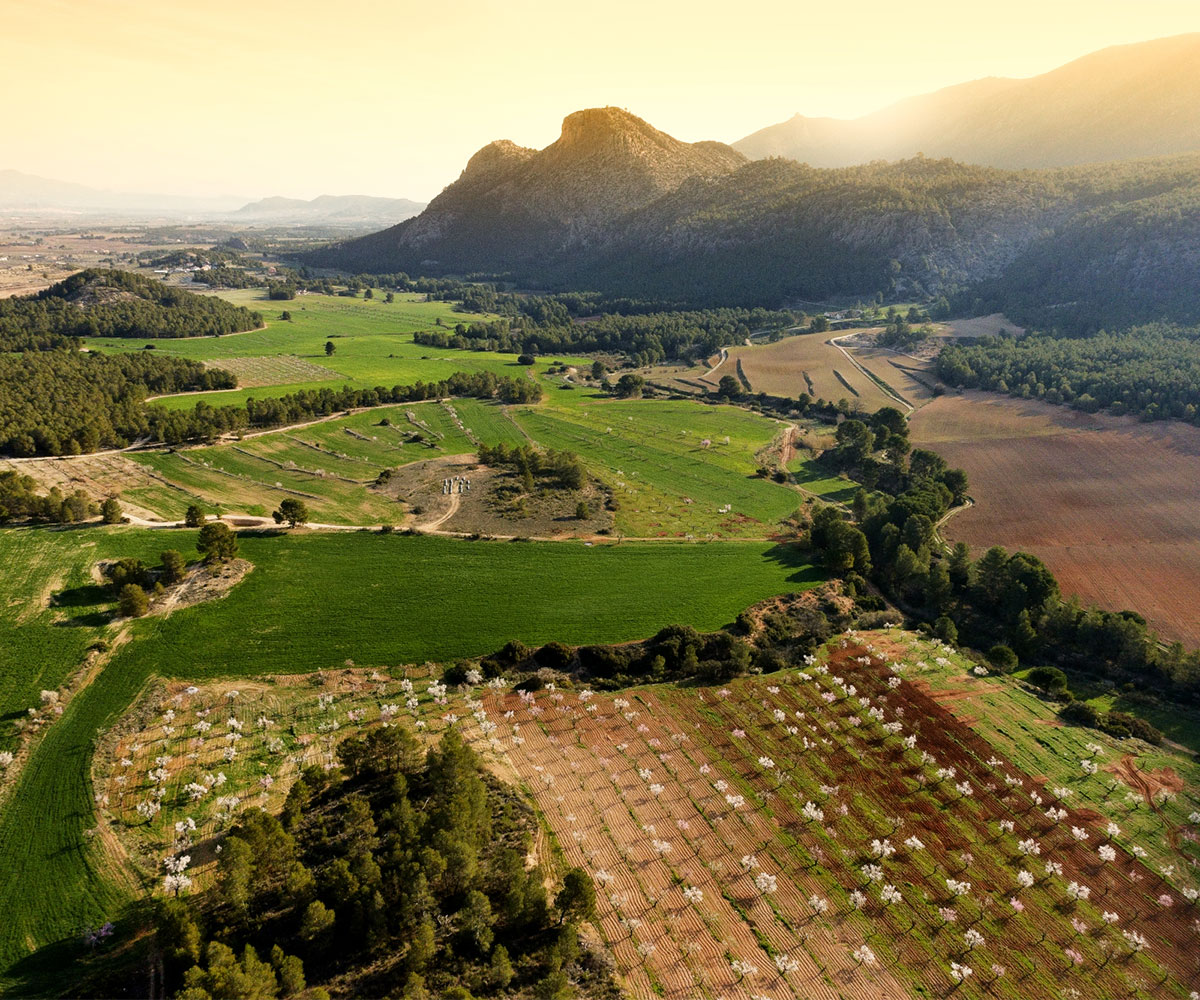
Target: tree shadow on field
791,556
74,600
117,968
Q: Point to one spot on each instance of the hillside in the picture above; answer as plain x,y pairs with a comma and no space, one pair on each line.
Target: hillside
608,207
99,302
1122,102
512,206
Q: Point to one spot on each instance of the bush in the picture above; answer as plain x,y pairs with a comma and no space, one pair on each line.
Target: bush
1049,679
945,630
1080,713
1002,658
1137,727
132,601
525,359
556,655
110,511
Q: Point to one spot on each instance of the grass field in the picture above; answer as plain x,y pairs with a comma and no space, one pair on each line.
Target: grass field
668,481
373,342
311,602
1111,505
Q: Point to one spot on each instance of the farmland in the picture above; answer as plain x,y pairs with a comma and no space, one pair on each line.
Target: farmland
1111,505
838,831
804,363
727,831
372,339
380,600
677,468
673,465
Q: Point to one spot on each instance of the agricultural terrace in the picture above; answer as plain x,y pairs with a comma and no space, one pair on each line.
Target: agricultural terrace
836,831
1110,504
311,602
373,346
677,468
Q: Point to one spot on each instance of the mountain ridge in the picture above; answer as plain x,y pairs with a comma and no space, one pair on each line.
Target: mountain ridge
1118,103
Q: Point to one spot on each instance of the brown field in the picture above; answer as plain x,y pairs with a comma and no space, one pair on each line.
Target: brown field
1111,505
612,777
780,369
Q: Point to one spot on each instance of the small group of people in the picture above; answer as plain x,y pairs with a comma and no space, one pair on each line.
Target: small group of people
462,483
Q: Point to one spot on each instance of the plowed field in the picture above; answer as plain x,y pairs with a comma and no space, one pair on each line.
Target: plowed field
1111,505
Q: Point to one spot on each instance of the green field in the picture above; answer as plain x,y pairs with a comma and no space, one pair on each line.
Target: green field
652,453
312,602
373,341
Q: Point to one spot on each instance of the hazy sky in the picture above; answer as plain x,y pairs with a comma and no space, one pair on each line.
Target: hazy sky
264,97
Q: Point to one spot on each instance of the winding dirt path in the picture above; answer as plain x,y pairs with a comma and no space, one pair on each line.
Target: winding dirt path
432,525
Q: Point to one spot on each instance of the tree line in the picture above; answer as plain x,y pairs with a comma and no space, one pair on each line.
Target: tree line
1149,371
401,872
205,422
645,339
1002,601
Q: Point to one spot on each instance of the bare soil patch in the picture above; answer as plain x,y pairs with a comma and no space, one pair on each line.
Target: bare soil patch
1110,504
1151,784
984,326
495,503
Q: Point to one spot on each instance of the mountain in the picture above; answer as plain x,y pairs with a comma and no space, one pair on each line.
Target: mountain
27,193
328,209
1119,103
511,206
618,207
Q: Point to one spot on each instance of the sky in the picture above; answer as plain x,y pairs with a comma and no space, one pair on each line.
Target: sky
388,97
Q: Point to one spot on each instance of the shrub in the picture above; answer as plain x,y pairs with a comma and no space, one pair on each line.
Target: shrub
555,655
1080,713
1049,679
1002,658
132,601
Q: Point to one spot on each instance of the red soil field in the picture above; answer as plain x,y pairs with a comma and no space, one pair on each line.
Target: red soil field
613,775
1110,504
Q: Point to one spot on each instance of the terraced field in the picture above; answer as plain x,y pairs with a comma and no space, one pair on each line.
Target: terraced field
673,465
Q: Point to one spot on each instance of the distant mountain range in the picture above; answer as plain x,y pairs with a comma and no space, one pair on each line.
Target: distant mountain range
1120,103
332,209
28,194
617,206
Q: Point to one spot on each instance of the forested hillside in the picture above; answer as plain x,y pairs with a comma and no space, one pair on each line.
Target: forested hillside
104,303
1075,248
